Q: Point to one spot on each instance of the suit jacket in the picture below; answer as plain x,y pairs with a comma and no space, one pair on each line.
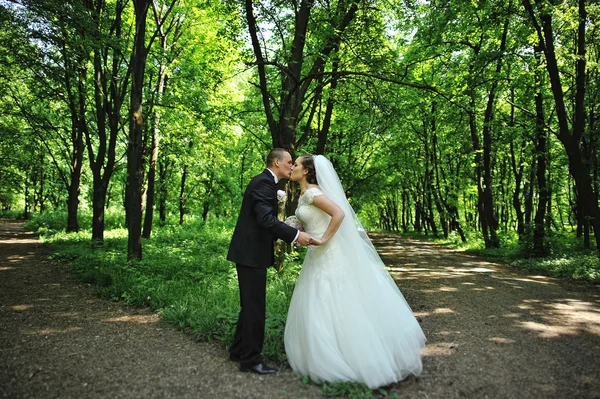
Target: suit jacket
258,228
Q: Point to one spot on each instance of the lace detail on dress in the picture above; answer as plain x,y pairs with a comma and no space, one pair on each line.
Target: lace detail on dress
314,220
309,195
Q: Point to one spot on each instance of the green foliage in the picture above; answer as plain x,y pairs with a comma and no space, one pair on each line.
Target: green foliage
52,222
577,267
11,214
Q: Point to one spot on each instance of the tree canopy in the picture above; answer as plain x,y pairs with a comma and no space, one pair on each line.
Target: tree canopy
441,117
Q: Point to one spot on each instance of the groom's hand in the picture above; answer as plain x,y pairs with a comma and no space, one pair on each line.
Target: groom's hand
304,238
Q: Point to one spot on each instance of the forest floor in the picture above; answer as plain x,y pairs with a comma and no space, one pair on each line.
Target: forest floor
493,332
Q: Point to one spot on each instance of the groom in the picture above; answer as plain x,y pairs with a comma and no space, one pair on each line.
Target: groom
252,250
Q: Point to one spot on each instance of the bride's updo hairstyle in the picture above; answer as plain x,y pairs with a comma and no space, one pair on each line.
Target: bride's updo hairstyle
309,164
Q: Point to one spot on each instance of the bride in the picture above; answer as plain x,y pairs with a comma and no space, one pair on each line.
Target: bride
347,319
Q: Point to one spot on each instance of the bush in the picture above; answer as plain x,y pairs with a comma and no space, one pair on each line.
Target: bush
50,222
12,214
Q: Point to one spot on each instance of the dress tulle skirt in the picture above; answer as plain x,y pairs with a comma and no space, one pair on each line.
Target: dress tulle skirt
343,327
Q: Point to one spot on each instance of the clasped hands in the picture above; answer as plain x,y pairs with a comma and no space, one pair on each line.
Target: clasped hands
306,239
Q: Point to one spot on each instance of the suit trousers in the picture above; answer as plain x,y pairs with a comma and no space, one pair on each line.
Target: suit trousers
250,330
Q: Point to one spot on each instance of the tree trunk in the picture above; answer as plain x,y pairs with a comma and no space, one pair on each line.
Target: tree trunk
518,173
404,211
162,197
78,126
98,206
539,248
162,74
440,203
208,188
135,170
528,191
324,131
108,99
488,198
571,139
26,208
182,194
75,181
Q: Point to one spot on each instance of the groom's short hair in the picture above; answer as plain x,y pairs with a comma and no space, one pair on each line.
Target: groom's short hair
278,153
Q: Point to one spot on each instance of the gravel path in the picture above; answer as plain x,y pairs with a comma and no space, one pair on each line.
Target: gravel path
493,332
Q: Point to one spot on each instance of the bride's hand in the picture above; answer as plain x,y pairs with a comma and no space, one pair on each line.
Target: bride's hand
315,242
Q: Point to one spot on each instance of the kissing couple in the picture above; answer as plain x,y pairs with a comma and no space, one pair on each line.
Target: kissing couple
347,319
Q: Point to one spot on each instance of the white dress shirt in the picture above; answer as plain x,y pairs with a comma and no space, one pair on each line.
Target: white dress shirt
277,181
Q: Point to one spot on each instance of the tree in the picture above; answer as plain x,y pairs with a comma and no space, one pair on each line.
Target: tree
135,171
570,127
283,108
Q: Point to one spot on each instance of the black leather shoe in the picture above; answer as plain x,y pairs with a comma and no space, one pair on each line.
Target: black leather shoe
259,368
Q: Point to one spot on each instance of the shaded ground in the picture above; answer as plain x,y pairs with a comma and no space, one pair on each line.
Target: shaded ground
492,332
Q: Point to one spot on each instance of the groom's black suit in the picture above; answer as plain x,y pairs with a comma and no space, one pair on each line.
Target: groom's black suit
252,250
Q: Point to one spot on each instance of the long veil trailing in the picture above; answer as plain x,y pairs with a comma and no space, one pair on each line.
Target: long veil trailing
351,232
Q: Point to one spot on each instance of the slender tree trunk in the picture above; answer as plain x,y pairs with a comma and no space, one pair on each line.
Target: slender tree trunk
182,194
518,173
404,215
324,131
150,191
75,181
98,206
162,197
539,248
135,170
528,191
418,212
488,198
209,185
40,193
428,184
478,172
78,125
26,209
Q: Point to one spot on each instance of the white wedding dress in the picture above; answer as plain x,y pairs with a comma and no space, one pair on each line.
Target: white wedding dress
347,319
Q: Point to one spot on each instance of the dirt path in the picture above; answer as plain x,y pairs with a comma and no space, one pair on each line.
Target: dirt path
492,332
58,340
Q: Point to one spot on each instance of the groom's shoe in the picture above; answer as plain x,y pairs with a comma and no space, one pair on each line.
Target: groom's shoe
259,368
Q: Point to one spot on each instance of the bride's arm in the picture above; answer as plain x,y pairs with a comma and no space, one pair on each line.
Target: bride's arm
336,213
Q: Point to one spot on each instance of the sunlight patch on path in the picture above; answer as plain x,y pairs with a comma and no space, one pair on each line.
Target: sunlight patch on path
141,319
51,331
20,307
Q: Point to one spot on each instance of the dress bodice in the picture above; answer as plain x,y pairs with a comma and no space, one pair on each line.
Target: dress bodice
313,219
